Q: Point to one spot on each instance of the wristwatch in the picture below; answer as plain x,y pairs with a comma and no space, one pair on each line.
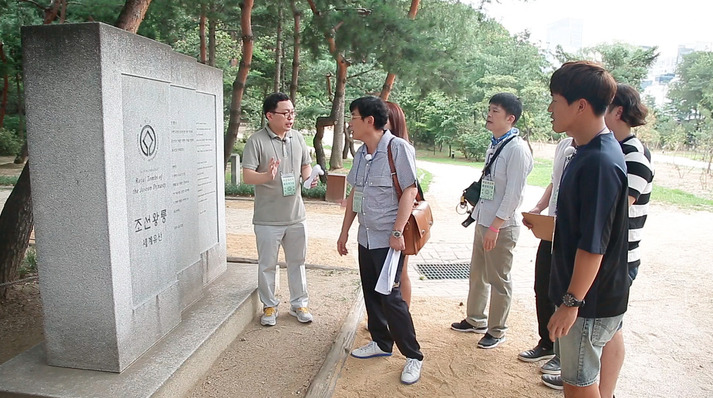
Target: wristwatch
570,301
396,234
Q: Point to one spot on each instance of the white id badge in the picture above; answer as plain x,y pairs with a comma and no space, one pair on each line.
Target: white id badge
487,189
356,203
288,184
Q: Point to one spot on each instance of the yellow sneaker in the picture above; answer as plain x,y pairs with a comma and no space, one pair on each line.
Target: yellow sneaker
269,317
302,314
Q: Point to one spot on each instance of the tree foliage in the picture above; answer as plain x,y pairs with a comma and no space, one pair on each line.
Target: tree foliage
627,63
692,100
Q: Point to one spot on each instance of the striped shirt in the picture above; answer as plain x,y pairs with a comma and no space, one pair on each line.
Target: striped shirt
640,174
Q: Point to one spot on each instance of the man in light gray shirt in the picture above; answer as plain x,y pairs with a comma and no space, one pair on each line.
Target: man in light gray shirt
497,228
274,159
382,217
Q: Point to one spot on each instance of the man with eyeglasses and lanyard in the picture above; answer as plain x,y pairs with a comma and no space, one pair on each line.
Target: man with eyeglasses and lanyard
274,159
382,217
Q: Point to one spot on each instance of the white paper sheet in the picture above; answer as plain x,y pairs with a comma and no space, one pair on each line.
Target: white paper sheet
388,272
316,170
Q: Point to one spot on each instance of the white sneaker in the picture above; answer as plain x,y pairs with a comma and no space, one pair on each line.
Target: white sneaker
269,316
370,350
412,371
302,314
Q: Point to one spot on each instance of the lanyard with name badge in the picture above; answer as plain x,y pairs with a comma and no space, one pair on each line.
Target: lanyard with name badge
289,182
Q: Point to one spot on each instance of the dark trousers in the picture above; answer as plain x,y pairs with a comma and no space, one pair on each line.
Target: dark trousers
389,318
545,306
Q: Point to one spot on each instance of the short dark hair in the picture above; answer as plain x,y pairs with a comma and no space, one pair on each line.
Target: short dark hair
371,106
509,102
633,111
584,80
271,101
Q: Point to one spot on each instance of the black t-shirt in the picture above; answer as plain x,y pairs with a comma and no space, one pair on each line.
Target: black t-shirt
592,215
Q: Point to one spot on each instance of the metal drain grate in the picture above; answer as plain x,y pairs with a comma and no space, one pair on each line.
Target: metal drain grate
444,271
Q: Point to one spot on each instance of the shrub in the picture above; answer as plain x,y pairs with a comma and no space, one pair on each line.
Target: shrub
240,189
8,180
10,143
29,264
238,147
318,192
474,145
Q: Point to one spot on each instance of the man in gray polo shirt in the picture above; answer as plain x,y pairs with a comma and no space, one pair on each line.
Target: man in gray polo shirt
382,217
274,159
496,229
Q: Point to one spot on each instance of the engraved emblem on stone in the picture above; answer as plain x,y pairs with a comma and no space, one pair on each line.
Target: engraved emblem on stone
148,141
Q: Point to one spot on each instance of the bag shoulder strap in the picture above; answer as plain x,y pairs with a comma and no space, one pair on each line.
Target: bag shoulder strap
486,169
394,177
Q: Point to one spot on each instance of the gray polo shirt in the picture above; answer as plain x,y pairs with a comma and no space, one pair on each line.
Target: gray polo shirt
271,207
373,179
509,172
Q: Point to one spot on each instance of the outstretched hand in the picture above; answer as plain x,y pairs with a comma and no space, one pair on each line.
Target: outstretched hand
274,167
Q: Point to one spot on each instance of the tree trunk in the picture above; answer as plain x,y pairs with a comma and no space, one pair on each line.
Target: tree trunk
296,52
337,114
5,85
349,144
16,223
328,82
278,50
526,138
132,15
211,36
388,86
322,122
239,85
51,11
201,34
63,11
390,77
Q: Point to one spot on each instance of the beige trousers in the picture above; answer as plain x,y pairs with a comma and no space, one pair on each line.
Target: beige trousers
490,279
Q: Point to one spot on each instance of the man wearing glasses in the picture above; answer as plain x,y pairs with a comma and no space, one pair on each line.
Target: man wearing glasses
382,217
274,159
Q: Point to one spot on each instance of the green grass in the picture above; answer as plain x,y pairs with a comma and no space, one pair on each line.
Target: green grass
541,174
442,157
680,198
424,178
8,180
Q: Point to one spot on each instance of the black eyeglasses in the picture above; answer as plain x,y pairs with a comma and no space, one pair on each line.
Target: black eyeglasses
287,114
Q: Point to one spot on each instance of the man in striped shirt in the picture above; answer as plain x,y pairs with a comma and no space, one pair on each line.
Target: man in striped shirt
625,112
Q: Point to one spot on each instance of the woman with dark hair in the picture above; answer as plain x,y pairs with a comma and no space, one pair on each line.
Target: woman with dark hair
397,126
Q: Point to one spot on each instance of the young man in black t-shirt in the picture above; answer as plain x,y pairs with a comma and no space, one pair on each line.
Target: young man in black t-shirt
589,281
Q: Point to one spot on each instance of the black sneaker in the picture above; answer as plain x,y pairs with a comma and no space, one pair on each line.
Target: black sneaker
464,326
553,381
536,354
488,341
551,367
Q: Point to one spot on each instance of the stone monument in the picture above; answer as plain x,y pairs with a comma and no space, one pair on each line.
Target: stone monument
126,144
